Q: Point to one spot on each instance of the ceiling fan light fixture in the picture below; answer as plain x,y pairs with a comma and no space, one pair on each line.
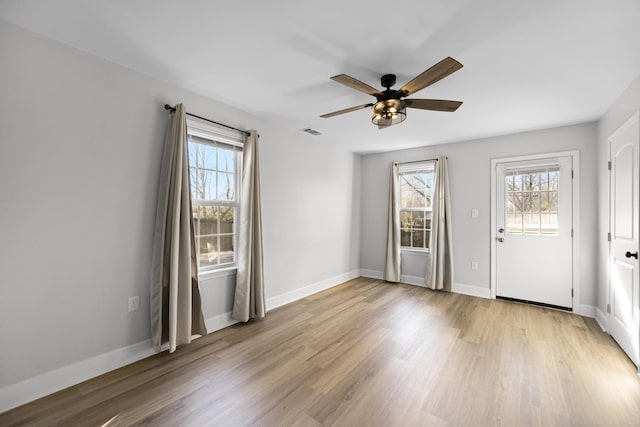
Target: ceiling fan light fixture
388,112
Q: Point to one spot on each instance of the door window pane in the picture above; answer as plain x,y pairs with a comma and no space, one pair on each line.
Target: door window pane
531,202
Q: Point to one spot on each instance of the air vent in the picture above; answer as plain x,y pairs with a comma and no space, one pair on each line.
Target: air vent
311,131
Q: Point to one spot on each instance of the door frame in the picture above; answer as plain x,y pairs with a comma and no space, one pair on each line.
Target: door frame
629,122
575,220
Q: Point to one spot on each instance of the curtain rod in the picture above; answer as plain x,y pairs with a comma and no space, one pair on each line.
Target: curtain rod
173,109
417,161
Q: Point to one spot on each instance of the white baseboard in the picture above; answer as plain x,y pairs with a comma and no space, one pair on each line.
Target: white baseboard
474,291
297,294
458,288
601,318
39,386
412,280
585,310
218,322
58,379
371,274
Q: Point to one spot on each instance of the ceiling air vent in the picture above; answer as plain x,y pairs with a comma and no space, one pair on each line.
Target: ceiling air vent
311,131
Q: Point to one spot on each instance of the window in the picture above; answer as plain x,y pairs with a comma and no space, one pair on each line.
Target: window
214,172
532,201
416,190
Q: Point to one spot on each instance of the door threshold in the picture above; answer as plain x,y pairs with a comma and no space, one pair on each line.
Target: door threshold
541,304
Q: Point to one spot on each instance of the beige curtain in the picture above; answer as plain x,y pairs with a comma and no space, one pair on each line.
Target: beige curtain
249,301
176,312
392,262
440,265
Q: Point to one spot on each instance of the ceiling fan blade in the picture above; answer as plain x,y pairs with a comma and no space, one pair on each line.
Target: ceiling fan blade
436,73
355,84
433,104
346,110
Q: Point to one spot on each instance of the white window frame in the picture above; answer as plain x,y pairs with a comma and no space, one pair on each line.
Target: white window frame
413,167
205,130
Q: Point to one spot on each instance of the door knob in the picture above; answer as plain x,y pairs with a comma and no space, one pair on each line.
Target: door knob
629,254
501,239
500,230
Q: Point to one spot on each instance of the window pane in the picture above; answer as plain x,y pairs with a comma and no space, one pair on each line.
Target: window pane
517,202
226,186
535,182
203,187
415,189
208,249
544,201
427,236
226,249
405,219
517,182
196,220
226,160
511,206
553,201
201,153
526,202
208,220
535,201
227,219
514,223
417,237
553,180
418,219
193,182
405,237
526,224
544,181
427,220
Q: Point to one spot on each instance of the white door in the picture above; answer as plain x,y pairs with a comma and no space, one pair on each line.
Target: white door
534,249
623,251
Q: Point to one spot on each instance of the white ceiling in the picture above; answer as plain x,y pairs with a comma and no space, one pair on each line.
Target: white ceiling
527,64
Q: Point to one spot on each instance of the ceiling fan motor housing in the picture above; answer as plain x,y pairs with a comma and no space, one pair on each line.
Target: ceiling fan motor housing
388,80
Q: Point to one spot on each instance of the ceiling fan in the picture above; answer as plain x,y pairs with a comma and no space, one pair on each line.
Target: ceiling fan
391,107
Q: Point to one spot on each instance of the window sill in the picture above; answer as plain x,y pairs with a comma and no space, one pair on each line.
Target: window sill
218,272
414,251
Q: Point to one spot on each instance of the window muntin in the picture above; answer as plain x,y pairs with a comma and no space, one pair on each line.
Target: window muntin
532,201
416,190
213,173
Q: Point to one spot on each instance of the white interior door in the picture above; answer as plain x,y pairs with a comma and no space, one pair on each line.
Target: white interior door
624,298
534,249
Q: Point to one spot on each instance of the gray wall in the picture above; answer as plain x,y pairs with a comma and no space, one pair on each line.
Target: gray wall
625,106
80,146
470,175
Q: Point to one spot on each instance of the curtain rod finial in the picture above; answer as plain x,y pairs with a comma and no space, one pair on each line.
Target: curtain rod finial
169,107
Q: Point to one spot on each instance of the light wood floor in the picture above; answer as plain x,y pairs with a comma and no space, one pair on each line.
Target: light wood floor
375,354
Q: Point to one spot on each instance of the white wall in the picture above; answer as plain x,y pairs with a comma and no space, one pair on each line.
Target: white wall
625,106
80,147
469,175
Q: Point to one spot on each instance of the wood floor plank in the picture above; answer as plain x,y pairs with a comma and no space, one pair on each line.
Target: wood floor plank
369,353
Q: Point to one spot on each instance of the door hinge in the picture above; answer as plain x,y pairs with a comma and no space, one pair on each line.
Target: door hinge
571,173
572,233
571,292
608,237
608,308
609,165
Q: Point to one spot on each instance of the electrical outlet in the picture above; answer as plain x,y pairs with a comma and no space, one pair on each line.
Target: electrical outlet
134,303
474,265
